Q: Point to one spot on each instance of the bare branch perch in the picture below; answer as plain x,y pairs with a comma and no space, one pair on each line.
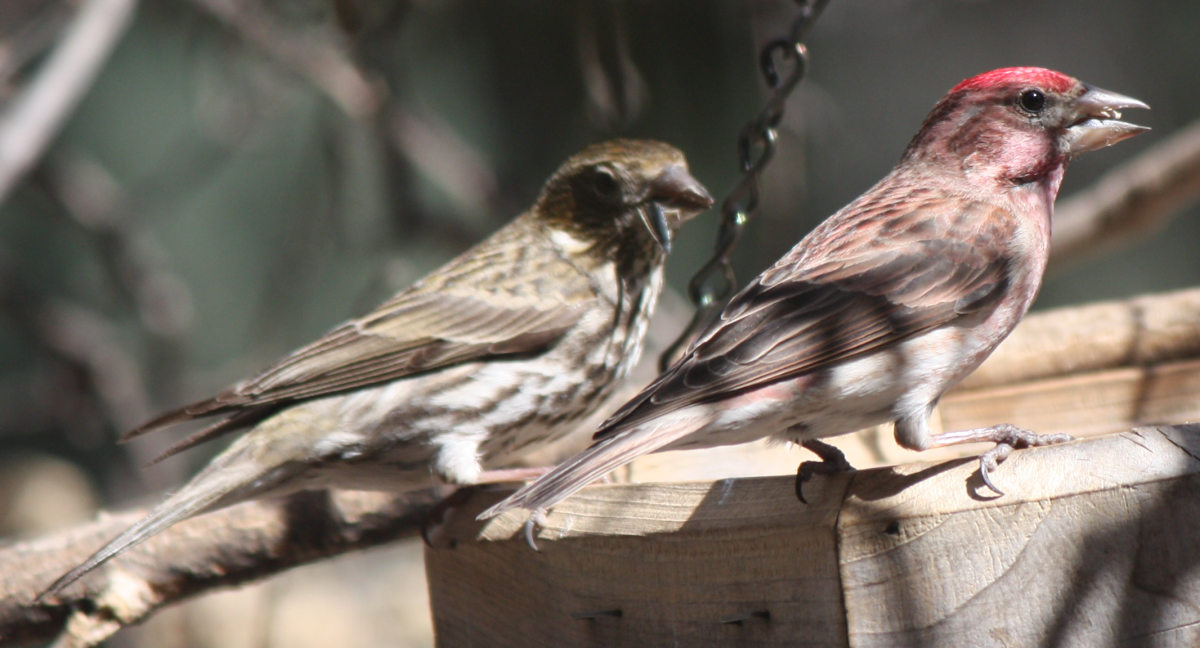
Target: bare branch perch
35,117
224,548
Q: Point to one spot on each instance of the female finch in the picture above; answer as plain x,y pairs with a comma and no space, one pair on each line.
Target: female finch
885,305
454,379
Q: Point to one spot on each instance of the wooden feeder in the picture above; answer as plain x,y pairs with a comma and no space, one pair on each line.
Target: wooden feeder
1095,543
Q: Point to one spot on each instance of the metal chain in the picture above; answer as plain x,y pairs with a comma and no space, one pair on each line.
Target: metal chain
713,284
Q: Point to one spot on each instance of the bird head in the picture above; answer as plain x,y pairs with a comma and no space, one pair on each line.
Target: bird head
623,195
1022,124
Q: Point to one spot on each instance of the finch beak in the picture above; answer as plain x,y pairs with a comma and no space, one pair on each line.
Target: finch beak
674,189
656,221
1095,121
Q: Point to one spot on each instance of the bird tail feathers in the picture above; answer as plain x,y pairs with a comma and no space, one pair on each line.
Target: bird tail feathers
602,457
209,490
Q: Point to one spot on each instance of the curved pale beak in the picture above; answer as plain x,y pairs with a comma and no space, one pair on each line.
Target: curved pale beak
677,190
1096,121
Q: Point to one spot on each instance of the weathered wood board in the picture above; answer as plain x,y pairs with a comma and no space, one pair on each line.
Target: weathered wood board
1096,543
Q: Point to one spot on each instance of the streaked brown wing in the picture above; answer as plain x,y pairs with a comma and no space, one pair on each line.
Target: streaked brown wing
483,304
869,298
422,333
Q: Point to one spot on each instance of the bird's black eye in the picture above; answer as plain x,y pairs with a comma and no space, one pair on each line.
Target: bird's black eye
605,184
1032,100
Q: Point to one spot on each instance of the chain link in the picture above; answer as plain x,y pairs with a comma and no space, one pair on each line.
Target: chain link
715,282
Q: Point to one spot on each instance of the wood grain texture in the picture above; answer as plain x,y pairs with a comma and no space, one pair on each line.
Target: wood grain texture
1085,404
1134,332
1096,543
651,562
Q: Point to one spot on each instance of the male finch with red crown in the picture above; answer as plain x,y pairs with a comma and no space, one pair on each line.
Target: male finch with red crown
887,304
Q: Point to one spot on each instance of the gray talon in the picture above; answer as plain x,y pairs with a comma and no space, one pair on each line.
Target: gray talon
984,472
536,519
1011,438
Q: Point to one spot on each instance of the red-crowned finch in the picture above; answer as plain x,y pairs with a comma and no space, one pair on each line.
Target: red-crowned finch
885,305
454,379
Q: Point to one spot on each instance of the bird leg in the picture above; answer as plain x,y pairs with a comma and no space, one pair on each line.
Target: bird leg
832,462
1007,438
441,513
511,475
537,518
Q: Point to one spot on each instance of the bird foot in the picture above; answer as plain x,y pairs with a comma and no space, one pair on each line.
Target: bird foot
832,462
1009,437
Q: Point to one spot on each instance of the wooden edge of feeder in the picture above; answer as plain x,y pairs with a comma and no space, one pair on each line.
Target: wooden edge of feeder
1097,463
912,553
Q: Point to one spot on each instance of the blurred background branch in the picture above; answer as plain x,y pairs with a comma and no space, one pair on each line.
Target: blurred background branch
430,145
33,119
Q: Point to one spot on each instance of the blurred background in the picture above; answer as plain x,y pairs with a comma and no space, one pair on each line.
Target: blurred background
241,176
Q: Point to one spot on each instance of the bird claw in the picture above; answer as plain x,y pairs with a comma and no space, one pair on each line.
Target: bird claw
832,462
536,519
988,462
1008,438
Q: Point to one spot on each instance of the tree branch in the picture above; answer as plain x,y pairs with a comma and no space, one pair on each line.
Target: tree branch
228,547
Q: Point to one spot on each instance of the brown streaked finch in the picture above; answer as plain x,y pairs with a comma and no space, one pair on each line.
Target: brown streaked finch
454,379
885,305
